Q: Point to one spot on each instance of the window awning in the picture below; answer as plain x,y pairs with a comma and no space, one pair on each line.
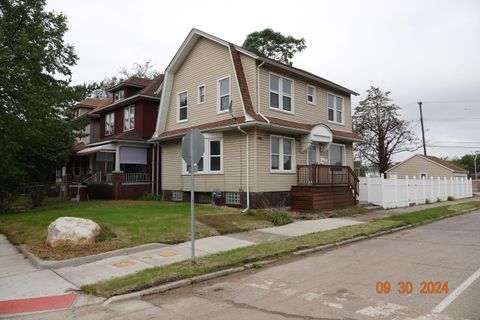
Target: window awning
109,147
320,134
130,155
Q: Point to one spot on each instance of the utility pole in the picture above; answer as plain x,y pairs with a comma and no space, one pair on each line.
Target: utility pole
475,164
423,131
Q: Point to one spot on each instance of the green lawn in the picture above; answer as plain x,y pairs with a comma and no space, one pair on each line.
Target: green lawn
237,257
125,224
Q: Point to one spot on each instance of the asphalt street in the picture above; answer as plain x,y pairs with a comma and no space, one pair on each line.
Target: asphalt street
338,284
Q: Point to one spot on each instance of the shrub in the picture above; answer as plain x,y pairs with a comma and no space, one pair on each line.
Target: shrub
439,200
151,197
450,198
279,218
99,191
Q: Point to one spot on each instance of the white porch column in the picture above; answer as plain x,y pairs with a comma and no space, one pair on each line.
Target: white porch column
117,158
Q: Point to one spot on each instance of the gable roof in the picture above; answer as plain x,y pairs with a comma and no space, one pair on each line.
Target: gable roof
246,101
447,164
148,91
104,103
89,103
305,74
131,82
443,163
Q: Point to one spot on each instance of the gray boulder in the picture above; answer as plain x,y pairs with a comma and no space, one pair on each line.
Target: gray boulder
73,231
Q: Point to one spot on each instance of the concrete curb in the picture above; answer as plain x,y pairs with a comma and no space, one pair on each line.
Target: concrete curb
381,233
55,264
222,273
217,274
185,282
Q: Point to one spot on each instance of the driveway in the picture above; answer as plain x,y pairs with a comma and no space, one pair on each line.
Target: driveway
338,284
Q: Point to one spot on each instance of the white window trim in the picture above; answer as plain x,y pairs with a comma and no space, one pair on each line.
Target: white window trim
314,102
106,121
206,157
178,106
344,156
219,111
335,109
280,150
280,94
204,94
124,119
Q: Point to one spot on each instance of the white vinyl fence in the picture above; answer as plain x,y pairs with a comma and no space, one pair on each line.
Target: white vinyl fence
395,193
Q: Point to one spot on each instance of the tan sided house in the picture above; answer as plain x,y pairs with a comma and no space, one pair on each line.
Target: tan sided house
421,166
275,135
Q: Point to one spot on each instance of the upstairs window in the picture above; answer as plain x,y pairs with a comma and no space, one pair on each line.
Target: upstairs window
310,94
223,89
182,103
119,95
201,94
281,154
281,93
109,123
129,118
335,109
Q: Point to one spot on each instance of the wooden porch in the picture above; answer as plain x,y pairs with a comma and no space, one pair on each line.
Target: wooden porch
324,187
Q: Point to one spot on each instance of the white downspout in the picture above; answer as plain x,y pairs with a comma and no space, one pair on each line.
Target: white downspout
248,169
153,167
158,157
258,92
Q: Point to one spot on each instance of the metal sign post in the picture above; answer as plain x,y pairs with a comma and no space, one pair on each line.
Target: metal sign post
193,147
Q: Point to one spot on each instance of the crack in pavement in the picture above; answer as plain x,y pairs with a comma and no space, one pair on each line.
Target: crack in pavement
430,242
263,310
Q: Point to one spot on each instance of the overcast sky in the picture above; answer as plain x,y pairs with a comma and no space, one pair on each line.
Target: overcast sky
418,50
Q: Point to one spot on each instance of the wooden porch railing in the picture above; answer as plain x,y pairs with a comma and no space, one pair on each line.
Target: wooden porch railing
323,175
136,177
94,178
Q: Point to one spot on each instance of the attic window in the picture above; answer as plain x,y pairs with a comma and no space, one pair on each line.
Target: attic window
119,95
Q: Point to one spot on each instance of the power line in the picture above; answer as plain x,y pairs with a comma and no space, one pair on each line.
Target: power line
461,147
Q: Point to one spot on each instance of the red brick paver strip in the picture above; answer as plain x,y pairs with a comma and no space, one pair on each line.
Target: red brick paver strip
37,304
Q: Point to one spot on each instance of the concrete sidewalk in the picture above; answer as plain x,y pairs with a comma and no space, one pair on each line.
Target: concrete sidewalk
122,265
25,288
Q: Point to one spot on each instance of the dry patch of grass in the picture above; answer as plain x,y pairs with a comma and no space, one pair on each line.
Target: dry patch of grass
232,223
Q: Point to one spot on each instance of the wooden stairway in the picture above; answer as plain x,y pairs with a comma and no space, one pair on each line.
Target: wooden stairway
321,187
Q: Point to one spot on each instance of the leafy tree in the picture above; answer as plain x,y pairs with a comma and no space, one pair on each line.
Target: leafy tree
274,45
384,134
36,122
359,168
467,162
